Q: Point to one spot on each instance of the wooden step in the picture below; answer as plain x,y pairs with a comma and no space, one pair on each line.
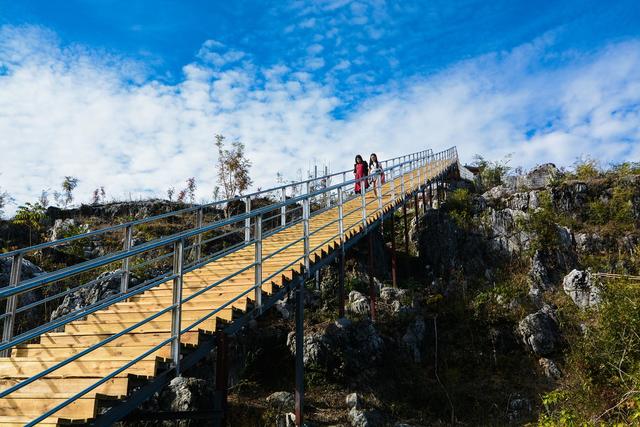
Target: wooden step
45,352
34,405
208,326
45,386
21,420
133,316
136,338
24,368
196,303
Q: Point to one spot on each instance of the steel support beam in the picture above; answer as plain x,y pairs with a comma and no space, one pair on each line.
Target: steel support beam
222,373
406,226
372,289
394,260
299,395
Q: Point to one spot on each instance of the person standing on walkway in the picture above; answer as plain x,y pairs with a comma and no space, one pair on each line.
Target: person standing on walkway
360,170
375,168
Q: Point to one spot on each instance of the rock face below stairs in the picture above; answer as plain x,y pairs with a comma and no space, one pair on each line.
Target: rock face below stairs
540,331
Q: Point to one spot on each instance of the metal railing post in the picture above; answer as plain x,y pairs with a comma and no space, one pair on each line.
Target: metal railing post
199,223
283,209
12,302
393,185
305,228
363,197
340,216
258,266
126,268
176,312
379,184
247,221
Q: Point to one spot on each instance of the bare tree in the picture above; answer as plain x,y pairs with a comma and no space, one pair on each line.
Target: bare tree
170,192
68,185
44,198
191,189
233,168
99,195
5,199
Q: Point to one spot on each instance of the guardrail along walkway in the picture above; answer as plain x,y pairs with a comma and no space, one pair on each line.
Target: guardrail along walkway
72,374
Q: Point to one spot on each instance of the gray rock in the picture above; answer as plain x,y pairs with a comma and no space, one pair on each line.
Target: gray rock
539,274
580,287
504,233
62,227
107,285
413,339
361,418
186,394
354,400
28,270
540,331
286,420
389,294
537,178
550,368
281,401
358,303
498,192
342,348
518,408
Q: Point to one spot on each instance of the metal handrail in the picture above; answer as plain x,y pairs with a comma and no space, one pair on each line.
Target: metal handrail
402,170
195,208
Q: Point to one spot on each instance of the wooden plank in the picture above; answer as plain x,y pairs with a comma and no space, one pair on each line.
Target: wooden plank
18,368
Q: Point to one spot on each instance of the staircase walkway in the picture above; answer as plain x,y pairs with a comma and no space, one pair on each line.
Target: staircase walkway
213,296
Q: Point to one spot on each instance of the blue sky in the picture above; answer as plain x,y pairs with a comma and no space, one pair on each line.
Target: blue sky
113,91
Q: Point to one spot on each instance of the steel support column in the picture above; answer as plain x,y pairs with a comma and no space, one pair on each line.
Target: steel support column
222,373
299,395
341,283
372,289
406,227
424,200
394,260
415,205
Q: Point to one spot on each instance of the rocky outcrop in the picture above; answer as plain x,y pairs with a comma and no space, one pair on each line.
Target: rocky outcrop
504,233
342,349
28,270
186,394
66,227
550,368
107,284
358,416
358,303
540,331
581,289
413,339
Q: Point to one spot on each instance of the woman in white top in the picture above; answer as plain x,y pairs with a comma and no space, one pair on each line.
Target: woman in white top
375,168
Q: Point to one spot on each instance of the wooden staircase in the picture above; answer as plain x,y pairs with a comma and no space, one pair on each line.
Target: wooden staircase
44,394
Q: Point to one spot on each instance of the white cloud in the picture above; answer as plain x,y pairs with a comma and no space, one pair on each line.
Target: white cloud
74,111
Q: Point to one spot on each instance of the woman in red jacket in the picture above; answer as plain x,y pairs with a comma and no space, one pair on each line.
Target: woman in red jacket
361,170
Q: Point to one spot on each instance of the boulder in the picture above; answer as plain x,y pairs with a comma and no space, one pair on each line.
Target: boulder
354,400
413,339
550,368
342,349
358,303
107,285
540,331
538,177
65,228
518,408
580,287
281,401
186,394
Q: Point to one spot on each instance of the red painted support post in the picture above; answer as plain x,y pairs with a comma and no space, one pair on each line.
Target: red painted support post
372,289
394,260
416,208
406,227
222,373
